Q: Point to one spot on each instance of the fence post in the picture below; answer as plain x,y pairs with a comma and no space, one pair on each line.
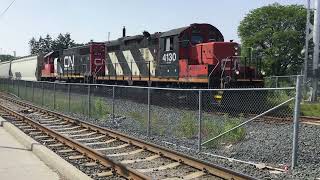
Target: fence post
19,88
149,119
296,117
113,99
42,94
32,91
89,99
200,120
54,95
25,90
69,89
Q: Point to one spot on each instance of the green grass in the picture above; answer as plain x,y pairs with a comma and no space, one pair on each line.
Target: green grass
310,110
214,128
157,126
188,128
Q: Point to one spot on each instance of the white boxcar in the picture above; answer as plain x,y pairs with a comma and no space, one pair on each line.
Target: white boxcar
5,69
26,68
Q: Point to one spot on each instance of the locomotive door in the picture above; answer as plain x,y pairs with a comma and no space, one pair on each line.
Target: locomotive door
169,57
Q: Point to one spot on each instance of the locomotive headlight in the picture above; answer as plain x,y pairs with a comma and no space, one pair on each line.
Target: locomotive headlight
236,48
237,72
263,73
236,53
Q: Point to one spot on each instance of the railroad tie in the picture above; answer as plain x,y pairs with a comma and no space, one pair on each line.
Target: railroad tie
76,157
93,138
112,148
126,153
104,174
80,135
98,143
77,131
31,129
21,124
34,133
48,140
40,137
67,127
90,164
22,127
192,175
160,168
55,145
150,158
66,151
49,121
56,126
59,122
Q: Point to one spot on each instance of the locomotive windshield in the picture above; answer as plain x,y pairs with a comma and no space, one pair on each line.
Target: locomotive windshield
196,39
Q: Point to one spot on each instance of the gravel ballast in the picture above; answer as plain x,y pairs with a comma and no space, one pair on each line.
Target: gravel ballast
265,142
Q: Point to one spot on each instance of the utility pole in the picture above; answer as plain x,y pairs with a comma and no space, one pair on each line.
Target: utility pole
316,38
308,37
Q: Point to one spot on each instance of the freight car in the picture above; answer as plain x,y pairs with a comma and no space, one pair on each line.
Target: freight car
195,55
25,68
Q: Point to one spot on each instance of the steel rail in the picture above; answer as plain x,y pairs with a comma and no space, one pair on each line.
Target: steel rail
207,167
85,150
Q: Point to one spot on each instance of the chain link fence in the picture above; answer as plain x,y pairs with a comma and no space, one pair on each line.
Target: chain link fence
280,81
191,118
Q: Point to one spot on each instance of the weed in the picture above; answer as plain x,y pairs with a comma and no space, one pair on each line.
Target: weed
100,108
187,126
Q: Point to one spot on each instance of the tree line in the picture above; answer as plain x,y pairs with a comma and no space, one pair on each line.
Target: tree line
47,44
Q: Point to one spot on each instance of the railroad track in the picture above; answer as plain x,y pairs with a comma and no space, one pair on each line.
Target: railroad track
303,119
104,153
310,120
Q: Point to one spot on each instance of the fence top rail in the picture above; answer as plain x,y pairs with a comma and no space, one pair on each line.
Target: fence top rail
288,76
160,88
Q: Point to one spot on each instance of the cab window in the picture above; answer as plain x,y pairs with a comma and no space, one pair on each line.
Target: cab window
168,44
196,39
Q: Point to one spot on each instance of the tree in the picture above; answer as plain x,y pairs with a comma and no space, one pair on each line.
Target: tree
45,45
6,57
63,42
276,34
34,46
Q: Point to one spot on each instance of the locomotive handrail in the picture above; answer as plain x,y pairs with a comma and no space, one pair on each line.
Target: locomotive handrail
213,70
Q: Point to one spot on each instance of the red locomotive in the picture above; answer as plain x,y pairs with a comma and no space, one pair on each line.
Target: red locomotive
195,55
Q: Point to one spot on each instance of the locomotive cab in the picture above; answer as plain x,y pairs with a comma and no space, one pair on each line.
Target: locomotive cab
198,53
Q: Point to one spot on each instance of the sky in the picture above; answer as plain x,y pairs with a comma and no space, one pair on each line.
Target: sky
93,19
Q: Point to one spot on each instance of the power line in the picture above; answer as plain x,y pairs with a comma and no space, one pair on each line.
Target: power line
7,8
